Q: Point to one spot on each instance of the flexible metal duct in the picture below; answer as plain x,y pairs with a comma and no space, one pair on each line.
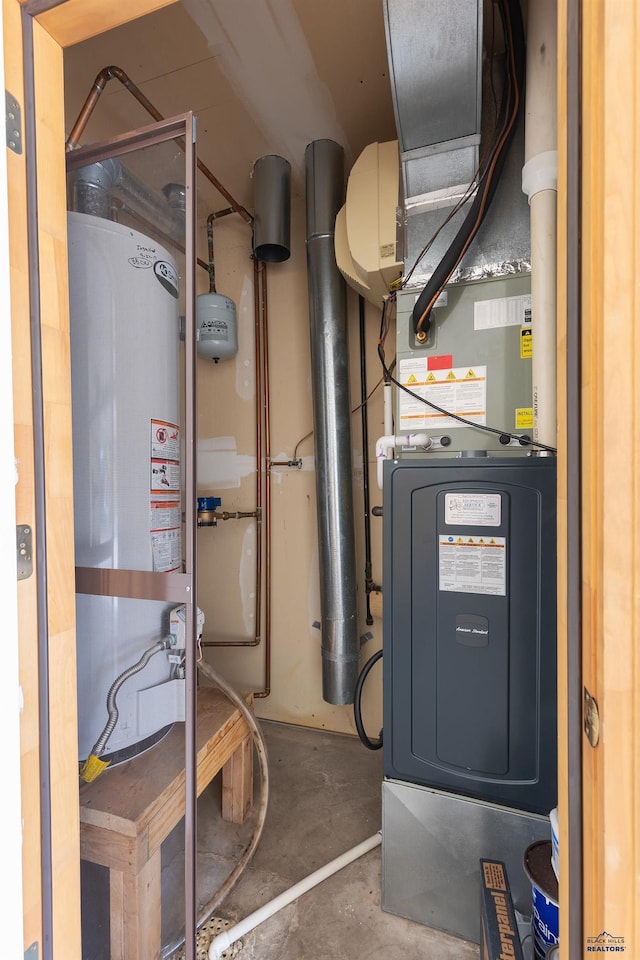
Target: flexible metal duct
324,162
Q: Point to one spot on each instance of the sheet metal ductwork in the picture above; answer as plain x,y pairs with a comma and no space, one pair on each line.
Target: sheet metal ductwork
437,74
435,58
324,164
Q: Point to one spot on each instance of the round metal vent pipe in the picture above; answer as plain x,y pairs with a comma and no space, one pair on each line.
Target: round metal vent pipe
94,186
324,162
271,209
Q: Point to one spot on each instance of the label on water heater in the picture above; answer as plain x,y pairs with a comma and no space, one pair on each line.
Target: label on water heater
165,440
166,549
473,565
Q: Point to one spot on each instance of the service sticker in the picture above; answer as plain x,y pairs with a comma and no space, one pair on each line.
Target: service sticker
473,509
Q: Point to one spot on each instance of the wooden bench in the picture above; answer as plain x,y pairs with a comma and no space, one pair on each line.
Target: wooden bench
128,811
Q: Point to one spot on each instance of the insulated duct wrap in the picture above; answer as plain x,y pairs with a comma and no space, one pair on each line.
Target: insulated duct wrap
324,161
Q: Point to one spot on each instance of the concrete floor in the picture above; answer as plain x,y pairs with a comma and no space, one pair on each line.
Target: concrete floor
324,799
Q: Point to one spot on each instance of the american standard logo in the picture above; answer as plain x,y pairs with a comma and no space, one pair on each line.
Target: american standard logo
472,630
605,943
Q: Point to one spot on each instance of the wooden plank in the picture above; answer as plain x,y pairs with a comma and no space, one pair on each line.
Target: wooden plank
56,379
167,815
611,467
136,790
237,783
135,913
77,20
110,848
562,502
129,811
25,503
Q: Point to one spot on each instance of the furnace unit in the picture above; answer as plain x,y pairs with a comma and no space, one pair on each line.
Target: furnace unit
469,678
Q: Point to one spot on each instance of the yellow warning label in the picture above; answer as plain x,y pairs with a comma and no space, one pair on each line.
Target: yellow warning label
526,343
412,379
431,377
451,375
524,418
470,375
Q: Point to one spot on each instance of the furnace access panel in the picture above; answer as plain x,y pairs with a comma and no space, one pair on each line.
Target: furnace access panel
470,627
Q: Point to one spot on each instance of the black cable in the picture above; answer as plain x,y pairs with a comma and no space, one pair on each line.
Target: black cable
357,712
365,457
523,441
514,38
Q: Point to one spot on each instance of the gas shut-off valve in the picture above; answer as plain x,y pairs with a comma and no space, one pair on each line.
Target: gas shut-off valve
178,634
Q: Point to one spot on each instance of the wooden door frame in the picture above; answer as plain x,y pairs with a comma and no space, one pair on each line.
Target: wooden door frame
611,571
51,870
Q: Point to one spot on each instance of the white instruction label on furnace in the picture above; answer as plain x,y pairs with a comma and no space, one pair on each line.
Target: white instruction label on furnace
473,509
503,312
166,549
473,565
459,390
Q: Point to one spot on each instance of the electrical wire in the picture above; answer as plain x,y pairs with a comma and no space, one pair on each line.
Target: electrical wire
357,708
355,410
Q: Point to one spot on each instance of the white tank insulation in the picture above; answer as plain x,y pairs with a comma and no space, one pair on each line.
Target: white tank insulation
123,292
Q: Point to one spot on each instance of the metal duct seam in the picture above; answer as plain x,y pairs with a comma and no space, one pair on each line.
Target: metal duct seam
324,162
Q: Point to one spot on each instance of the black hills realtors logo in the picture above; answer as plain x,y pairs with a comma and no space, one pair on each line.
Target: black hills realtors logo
605,943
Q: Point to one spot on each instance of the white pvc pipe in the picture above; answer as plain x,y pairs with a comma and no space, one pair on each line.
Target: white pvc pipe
539,182
385,447
224,940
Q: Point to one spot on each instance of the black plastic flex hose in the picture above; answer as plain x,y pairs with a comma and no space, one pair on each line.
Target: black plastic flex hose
357,712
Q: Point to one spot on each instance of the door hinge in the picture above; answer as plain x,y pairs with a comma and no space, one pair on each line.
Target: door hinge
13,118
591,719
31,953
24,551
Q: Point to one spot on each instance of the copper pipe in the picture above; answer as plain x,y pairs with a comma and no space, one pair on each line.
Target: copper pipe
257,313
89,105
261,360
109,73
212,266
267,488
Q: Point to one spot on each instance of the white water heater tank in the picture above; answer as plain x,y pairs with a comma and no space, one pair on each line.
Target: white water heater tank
123,292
